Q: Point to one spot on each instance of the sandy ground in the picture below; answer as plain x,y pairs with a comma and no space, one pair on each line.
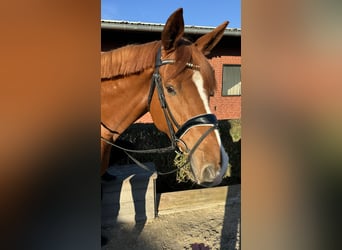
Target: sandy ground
211,227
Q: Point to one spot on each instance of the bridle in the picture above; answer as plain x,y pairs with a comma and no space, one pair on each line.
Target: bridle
175,136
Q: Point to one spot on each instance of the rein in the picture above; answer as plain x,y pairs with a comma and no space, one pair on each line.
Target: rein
200,120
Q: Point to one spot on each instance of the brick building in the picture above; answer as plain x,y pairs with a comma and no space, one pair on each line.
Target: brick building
225,59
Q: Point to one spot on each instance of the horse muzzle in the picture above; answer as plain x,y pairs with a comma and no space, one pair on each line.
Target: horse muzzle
209,176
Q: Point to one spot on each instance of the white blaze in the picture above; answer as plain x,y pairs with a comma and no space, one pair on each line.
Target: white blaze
198,80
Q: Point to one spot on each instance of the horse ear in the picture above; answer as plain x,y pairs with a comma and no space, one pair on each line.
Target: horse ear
173,30
208,41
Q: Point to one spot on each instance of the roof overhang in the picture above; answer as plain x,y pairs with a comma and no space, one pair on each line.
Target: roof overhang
156,27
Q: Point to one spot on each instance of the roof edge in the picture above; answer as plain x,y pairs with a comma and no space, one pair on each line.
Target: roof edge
157,27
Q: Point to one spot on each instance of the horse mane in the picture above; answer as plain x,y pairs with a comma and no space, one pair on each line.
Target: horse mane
127,60
133,59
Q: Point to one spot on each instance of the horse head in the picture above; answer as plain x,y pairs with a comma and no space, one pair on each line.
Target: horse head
187,81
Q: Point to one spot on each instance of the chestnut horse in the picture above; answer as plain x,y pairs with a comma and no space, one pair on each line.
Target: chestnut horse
172,79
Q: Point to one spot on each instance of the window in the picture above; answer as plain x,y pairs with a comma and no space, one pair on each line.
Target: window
231,82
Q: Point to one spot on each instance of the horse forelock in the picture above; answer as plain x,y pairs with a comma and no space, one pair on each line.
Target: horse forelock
127,60
185,53
206,70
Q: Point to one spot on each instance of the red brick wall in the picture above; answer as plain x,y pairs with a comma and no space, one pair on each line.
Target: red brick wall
224,107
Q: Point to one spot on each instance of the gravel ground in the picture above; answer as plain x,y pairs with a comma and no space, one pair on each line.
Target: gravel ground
213,227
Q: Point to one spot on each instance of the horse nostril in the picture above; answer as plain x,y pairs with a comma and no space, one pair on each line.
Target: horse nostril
208,173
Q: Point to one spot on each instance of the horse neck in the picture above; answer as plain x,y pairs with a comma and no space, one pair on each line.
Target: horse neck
124,100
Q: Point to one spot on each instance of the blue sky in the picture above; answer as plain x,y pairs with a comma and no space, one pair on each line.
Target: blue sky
195,12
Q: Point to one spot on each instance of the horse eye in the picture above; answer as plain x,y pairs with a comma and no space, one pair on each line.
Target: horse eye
171,90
